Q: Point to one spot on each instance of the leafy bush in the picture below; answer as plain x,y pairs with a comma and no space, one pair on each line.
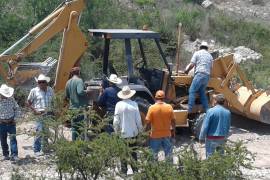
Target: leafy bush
91,160
191,19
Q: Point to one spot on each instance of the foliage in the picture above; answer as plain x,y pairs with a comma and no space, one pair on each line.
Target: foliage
227,166
91,160
191,19
145,2
230,31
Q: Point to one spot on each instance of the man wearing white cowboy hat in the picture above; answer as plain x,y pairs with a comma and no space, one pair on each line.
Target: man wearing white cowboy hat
39,100
108,98
202,60
10,111
127,120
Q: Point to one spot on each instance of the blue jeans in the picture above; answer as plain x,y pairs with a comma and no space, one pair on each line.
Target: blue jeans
6,129
164,143
213,145
77,127
199,84
41,138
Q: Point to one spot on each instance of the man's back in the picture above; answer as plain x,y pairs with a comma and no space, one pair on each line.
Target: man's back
75,93
203,61
127,118
217,122
109,98
160,116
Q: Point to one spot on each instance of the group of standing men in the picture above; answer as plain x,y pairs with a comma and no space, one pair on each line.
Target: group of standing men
39,101
123,112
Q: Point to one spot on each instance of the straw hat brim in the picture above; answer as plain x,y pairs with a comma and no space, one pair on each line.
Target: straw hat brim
8,93
126,96
118,81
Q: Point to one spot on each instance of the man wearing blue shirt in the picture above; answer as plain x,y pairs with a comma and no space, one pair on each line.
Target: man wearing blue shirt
216,126
108,99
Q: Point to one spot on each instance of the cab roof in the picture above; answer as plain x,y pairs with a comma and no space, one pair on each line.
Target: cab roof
124,34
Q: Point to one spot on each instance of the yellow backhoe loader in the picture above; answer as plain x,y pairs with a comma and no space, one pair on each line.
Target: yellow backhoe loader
63,20
242,97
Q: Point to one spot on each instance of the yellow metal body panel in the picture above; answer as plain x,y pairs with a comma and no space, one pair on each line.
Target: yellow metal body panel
181,118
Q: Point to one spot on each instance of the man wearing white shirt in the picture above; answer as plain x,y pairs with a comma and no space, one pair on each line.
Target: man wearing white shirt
127,120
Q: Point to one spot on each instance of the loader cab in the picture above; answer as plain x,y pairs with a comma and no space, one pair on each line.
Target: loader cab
151,78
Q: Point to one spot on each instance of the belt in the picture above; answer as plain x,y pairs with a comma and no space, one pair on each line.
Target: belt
7,121
204,73
215,137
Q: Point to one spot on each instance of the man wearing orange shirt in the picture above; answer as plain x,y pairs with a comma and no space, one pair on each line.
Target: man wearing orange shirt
160,118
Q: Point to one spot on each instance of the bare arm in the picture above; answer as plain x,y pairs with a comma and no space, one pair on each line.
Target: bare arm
189,67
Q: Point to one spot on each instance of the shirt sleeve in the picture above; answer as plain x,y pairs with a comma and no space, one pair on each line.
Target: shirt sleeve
205,126
31,96
102,98
80,88
138,119
194,58
116,119
149,115
17,110
229,123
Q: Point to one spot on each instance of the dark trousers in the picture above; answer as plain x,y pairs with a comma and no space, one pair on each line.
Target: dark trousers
134,156
6,129
108,128
77,126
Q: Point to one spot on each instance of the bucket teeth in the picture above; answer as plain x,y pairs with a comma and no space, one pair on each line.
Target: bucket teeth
44,66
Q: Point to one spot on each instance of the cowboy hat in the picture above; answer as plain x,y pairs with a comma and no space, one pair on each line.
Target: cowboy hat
204,43
114,79
42,77
6,91
126,93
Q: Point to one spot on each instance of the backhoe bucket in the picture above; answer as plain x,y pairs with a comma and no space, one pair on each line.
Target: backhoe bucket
27,71
256,107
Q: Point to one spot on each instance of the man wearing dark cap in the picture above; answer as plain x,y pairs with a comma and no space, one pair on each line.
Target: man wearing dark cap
216,126
78,100
161,119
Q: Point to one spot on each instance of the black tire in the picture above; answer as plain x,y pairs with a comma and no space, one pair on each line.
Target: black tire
197,125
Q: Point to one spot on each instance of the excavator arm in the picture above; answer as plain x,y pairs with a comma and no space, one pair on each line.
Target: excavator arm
74,44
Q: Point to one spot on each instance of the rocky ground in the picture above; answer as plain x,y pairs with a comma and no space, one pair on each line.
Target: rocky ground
256,137
258,10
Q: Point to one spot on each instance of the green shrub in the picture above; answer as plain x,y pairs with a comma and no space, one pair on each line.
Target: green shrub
191,19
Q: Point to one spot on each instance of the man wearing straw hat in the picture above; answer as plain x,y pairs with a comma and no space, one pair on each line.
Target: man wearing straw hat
108,99
10,111
202,61
39,100
127,120
216,126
